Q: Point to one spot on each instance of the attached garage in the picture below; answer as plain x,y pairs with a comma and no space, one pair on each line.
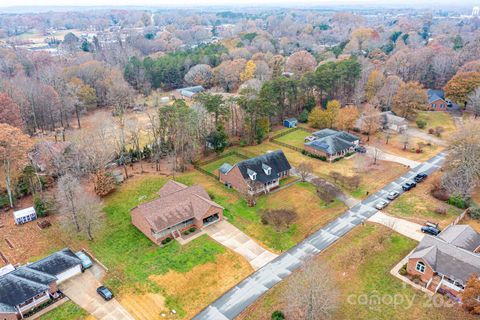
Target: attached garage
67,274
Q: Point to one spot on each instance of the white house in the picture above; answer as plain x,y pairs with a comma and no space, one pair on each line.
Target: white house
25,215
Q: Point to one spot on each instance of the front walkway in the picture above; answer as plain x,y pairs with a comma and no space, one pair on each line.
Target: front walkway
391,157
407,228
234,239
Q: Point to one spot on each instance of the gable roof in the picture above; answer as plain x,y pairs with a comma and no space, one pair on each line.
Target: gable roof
225,168
435,95
332,141
291,120
388,117
28,281
276,160
462,236
190,91
177,203
446,258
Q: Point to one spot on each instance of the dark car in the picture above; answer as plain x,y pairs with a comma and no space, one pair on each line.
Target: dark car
360,149
420,177
430,230
409,185
105,293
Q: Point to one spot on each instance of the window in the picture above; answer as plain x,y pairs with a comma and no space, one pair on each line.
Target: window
434,105
420,267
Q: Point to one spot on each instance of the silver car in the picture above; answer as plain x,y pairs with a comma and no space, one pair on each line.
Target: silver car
393,195
381,204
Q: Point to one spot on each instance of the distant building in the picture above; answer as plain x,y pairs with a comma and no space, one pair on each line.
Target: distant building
188,92
436,100
331,144
25,215
290,123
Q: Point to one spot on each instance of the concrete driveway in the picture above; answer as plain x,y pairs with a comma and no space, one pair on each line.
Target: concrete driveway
392,158
81,289
233,238
407,228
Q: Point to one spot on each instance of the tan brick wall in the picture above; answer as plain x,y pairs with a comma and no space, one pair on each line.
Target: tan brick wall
235,178
9,316
426,276
139,221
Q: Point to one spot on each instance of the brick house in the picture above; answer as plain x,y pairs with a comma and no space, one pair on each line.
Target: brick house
331,144
447,261
436,100
26,287
256,175
178,208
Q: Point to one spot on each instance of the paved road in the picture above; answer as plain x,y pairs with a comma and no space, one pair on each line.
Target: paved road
233,238
237,299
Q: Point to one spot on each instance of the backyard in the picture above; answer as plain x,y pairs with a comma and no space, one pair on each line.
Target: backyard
295,138
360,264
420,206
437,119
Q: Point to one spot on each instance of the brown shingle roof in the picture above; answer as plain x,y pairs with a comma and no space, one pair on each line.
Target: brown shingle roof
176,204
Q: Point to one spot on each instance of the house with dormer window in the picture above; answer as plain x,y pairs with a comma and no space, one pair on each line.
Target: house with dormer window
256,175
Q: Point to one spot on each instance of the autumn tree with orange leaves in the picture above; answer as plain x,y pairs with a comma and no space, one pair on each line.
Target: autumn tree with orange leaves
410,99
9,111
471,294
14,145
347,117
461,85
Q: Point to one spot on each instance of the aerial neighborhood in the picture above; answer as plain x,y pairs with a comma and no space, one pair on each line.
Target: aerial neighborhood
270,161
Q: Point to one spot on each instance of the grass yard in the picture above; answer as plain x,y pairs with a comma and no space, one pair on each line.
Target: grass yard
360,263
295,138
133,259
395,147
67,311
213,166
300,197
419,206
437,119
373,177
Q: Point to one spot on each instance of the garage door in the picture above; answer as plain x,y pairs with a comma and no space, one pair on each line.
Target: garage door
69,273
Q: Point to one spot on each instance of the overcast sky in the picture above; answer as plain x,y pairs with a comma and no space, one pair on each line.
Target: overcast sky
158,3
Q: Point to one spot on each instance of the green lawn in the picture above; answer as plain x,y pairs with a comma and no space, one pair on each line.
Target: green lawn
300,197
295,138
437,119
360,264
66,311
132,257
213,166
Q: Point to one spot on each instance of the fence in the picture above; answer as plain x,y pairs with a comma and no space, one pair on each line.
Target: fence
286,145
198,166
458,219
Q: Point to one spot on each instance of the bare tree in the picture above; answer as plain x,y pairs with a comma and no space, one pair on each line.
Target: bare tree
305,169
405,139
474,102
370,120
311,293
376,154
68,190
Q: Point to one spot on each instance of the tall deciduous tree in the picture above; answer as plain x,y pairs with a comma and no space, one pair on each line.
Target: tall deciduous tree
9,111
300,63
410,99
374,84
461,85
474,102
470,301
370,120
347,117
14,145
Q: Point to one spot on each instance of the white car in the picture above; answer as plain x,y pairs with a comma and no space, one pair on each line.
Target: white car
381,204
393,195
310,138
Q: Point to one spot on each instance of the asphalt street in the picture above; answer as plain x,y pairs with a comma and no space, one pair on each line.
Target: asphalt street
240,297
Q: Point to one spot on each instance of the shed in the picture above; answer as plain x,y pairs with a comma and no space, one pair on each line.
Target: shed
290,122
24,215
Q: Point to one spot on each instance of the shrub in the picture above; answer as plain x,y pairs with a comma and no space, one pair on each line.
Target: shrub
439,131
457,201
243,143
40,206
421,123
431,131
403,270
186,233
278,315
166,240
441,211
311,155
474,213
280,219
418,151
192,229
303,117
440,194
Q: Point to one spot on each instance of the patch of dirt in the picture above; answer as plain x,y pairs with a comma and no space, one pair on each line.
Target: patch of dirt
148,306
203,284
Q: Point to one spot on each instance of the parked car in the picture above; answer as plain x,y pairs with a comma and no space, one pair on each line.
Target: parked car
381,204
420,177
430,230
105,293
86,261
409,185
361,149
393,195
310,138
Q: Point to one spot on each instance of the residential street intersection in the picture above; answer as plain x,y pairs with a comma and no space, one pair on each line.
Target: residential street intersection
237,299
